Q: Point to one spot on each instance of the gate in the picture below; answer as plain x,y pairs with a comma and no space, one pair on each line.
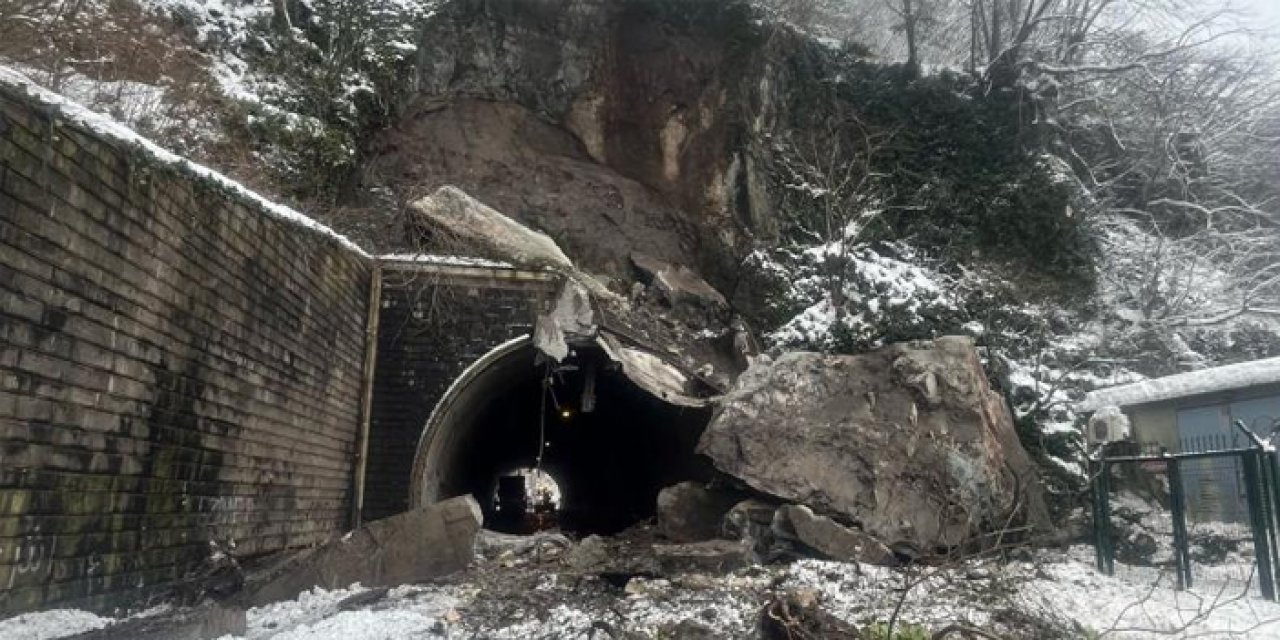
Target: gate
1216,489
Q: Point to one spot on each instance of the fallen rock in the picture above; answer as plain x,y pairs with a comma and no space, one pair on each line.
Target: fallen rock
690,512
711,556
408,547
492,544
744,515
679,286
828,537
751,521
908,441
470,222
592,554
205,621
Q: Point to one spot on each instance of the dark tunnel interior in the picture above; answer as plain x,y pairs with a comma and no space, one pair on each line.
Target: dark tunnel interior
608,461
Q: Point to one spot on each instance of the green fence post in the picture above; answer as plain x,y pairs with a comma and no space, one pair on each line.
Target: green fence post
1108,550
1269,459
1261,548
1181,552
1267,493
1096,485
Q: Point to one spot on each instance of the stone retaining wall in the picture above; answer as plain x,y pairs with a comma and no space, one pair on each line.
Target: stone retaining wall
179,364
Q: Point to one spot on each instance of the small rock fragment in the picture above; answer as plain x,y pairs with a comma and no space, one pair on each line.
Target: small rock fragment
830,538
711,556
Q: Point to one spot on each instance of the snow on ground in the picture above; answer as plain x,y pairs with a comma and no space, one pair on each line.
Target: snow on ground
60,623
111,130
56,623
406,612
1058,589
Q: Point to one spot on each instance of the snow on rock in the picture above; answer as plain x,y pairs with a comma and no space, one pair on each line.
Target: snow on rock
1234,376
116,133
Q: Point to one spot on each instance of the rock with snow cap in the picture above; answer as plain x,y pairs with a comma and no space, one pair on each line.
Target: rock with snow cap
908,441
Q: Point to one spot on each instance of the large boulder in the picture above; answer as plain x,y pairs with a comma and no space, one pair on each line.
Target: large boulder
479,228
909,442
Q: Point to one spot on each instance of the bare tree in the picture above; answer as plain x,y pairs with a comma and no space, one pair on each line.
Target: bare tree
831,190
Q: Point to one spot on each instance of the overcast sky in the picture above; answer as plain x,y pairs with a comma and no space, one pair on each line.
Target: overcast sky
1268,11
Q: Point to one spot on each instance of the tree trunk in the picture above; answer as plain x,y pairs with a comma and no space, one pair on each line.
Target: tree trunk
280,17
909,20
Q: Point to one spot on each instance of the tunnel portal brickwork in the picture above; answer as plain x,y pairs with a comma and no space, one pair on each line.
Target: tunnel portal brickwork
176,366
434,322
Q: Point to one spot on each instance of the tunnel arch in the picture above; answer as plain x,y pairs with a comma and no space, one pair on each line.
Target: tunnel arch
609,462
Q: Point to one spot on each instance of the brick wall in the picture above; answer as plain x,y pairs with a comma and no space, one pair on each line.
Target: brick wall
177,365
434,322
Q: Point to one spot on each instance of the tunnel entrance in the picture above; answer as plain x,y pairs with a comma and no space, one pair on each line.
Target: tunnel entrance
514,432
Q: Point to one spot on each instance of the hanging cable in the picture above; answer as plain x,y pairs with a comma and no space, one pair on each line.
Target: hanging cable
542,417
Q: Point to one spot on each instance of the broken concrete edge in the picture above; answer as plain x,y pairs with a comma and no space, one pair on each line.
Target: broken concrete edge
576,314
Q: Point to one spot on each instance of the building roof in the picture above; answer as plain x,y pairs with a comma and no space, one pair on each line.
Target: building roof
1233,376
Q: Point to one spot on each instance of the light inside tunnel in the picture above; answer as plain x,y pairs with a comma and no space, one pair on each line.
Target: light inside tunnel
607,465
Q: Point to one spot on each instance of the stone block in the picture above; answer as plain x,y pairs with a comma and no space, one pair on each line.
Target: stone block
410,547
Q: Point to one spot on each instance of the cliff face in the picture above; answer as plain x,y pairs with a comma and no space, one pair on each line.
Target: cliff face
613,125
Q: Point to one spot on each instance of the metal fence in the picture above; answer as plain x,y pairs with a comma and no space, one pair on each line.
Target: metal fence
1220,498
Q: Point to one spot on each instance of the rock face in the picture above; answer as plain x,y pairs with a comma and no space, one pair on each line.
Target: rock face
613,125
907,441
409,547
